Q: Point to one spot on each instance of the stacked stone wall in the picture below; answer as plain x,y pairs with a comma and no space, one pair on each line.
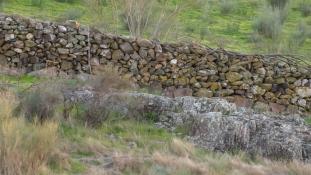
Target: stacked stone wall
32,45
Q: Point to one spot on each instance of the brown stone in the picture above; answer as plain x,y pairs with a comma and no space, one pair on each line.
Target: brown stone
233,76
205,93
277,108
242,102
117,55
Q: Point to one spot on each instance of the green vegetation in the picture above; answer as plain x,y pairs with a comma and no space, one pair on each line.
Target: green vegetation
228,24
308,120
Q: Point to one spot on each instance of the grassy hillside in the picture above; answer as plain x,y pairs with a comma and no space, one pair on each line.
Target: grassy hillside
224,23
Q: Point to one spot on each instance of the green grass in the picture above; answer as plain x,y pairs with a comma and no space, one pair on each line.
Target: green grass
308,121
119,134
18,83
205,24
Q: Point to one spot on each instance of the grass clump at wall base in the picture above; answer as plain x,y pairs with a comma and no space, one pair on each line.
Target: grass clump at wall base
25,148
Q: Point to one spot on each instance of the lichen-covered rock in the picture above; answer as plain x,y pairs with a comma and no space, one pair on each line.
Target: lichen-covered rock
215,124
233,76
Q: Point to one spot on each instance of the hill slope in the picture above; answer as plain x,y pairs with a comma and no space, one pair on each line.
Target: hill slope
226,24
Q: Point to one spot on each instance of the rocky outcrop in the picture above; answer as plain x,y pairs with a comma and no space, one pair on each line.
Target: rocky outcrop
33,45
214,123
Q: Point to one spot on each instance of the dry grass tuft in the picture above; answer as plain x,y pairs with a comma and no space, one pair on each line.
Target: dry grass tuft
107,78
25,148
124,162
180,163
181,148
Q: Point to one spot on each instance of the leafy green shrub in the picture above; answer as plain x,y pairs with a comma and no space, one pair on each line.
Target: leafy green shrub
227,6
268,23
37,3
305,8
278,4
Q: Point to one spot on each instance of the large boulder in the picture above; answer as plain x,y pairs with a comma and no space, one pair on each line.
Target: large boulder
216,124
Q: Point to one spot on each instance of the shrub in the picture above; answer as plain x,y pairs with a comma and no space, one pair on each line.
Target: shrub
268,23
37,3
25,148
95,112
278,4
149,17
40,103
298,38
2,3
305,8
227,6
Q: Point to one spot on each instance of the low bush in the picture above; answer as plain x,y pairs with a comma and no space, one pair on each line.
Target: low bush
227,6
305,8
299,37
278,4
39,103
268,23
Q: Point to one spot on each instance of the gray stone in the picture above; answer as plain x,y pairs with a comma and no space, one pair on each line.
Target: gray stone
62,29
9,37
39,26
29,36
63,51
126,47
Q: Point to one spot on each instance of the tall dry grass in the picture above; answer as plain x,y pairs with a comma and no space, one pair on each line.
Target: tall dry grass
25,148
184,157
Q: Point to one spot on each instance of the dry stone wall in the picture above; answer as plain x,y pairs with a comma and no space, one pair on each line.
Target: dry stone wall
32,45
